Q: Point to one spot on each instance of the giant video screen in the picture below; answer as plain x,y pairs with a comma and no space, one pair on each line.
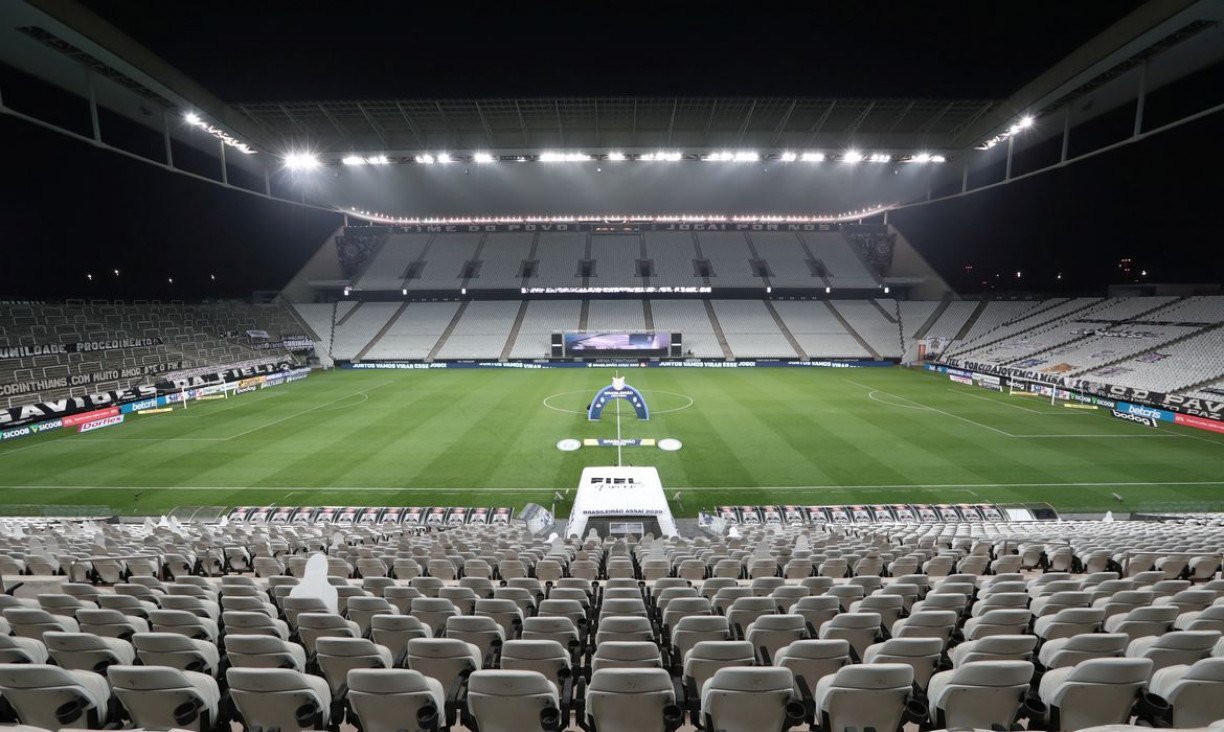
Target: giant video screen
622,344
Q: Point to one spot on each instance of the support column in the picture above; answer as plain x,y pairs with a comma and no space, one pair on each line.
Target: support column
93,107
1066,136
1011,143
224,168
1140,99
166,139
965,176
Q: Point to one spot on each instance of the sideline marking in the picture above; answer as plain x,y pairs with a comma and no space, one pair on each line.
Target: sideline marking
424,489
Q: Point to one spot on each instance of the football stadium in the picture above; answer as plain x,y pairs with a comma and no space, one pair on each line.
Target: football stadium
612,370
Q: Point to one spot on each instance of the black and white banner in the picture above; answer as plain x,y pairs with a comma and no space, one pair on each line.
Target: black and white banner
53,349
16,416
217,377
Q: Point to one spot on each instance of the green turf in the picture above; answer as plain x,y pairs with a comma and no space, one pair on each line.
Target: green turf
751,436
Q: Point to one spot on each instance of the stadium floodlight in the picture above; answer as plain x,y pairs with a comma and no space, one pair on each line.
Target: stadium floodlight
116,273
347,290
616,157
352,160
747,156
938,159
425,159
788,157
880,158
828,290
812,157
444,158
301,161
886,289
193,119
921,158
89,276
170,280
1027,121
404,291
563,157
377,160
852,156
662,157
482,157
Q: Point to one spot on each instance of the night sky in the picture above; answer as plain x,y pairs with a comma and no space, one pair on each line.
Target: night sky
70,208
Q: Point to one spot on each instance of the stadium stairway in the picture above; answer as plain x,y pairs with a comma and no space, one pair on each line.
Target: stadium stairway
850,329
450,328
475,270
718,331
382,332
1134,320
790,337
648,314
935,316
584,315
967,328
514,331
985,340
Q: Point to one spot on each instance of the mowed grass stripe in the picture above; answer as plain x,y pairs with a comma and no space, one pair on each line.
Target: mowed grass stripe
423,437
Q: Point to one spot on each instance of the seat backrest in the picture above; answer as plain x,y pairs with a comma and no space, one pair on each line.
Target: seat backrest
1097,691
442,658
39,694
264,651
509,701
626,654
387,700
706,657
865,695
629,699
747,698
289,700
547,657
982,694
160,697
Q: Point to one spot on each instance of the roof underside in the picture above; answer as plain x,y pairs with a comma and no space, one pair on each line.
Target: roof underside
629,123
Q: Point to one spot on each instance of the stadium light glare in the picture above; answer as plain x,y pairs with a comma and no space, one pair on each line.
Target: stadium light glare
880,158
303,161
347,290
1026,121
616,157
563,157
425,159
352,160
921,158
195,120
939,159
482,158
404,291
89,276
828,290
813,157
444,158
661,157
852,156
788,157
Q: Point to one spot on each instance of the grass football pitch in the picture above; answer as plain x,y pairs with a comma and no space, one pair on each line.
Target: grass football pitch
477,437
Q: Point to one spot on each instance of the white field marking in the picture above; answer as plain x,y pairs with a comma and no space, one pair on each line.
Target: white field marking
185,413
307,411
644,391
921,406
1047,412
872,396
932,409
1200,438
961,487
618,434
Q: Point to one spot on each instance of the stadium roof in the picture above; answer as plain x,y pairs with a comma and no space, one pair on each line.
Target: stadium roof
645,123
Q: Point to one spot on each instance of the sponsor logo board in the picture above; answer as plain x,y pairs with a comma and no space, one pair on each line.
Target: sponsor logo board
98,424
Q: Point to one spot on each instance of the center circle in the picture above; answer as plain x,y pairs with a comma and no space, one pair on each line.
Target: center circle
645,392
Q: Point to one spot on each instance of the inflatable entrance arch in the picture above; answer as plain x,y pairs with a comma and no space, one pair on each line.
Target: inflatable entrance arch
618,389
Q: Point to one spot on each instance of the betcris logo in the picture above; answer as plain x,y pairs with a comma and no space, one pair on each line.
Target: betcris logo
138,406
1149,412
